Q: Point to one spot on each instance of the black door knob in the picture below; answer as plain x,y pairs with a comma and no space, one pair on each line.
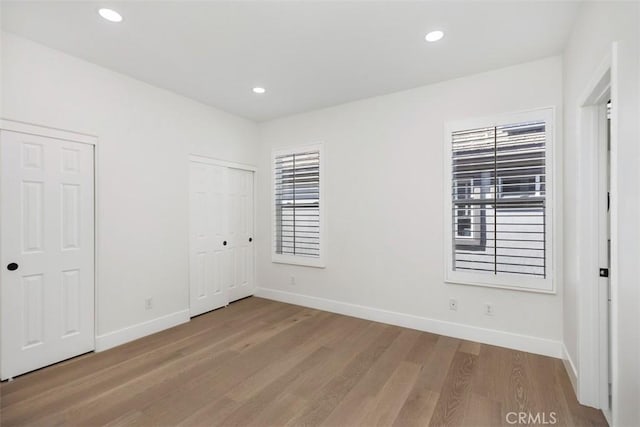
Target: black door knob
12,266
251,239
224,243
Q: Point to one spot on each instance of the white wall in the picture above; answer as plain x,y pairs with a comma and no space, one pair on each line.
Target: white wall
145,135
597,26
383,194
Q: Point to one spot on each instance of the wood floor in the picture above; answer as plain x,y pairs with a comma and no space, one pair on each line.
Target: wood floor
264,363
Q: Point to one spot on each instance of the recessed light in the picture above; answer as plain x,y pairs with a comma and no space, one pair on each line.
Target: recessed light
259,90
110,15
434,36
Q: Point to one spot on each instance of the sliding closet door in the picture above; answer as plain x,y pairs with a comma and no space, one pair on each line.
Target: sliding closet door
220,235
210,262
47,248
241,233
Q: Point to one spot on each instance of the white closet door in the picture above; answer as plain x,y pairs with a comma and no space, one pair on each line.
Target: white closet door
241,233
221,235
46,251
210,263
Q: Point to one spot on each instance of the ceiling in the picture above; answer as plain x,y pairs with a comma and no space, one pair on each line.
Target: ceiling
307,55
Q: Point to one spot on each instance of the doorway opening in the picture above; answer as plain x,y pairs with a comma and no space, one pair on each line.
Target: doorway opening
597,208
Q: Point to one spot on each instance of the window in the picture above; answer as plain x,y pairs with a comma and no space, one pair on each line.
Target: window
499,227
298,217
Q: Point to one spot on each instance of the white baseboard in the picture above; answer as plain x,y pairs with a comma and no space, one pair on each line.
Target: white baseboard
570,367
130,333
526,343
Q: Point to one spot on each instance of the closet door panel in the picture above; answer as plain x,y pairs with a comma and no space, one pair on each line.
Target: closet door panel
207,231
241,233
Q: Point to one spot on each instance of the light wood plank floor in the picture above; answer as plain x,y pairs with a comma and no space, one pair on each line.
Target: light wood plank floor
264,363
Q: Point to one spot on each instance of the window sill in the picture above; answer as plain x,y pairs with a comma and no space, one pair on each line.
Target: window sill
298,260
507,282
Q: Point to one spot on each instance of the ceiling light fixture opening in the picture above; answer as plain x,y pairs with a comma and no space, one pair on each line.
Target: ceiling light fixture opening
434,36
259,90
110,15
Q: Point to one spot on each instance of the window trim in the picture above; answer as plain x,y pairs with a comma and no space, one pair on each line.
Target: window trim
505,280
318,262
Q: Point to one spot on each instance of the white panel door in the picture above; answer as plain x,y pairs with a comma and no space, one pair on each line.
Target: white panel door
241,233
210,263
46,251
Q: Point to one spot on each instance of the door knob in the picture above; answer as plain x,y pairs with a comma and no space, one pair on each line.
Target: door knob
251,239
12,266
224,243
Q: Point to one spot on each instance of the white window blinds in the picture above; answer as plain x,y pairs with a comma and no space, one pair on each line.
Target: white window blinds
297,203
499,199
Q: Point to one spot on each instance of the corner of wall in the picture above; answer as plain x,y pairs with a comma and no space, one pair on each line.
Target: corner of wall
570,367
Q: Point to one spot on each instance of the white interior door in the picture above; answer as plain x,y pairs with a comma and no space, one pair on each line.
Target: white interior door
46,251
604,226
241,233
221,235
210,262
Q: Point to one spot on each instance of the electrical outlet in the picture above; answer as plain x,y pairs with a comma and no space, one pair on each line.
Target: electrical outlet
488,309
292,280
148,303
453,304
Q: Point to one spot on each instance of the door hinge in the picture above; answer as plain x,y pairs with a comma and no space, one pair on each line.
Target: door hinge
604,272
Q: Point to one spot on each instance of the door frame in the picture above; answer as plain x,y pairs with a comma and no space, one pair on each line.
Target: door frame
199,158
593,317
82,138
